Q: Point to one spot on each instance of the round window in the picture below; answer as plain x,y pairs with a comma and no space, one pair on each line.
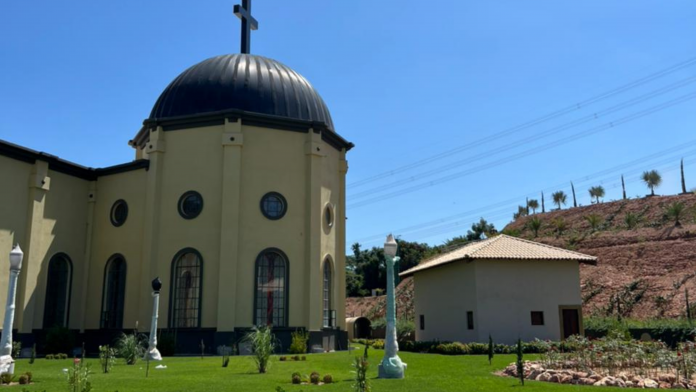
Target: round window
190,204
119,213
273,205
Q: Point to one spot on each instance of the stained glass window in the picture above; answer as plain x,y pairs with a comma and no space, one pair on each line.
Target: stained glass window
271,289
186,291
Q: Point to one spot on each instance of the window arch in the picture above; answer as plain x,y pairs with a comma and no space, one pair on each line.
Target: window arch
113,297
327,292
187,276
58,285
271,289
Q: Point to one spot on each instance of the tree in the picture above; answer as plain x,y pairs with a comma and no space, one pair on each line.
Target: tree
534,204
521,211
652,180
572,187
491,349
623,186
520,362
675,211
481,229
534,224
543,210
597,192
683,181
594,220
559,198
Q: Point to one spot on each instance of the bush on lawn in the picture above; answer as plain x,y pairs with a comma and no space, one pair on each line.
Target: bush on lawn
262,345
6,378
299,342
314,378
131,347
328,379
296,378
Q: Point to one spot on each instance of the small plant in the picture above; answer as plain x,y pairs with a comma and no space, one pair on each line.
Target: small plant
491,349
534,224
33,354
30,376
520,362
16,349
296,378
560,226
226,356
594,221
131,347
283,359
328,379
367,346
631,220
362,383
262,345
50,356
6,378
107,357
675,211
299,342
23,379
314,378
78,377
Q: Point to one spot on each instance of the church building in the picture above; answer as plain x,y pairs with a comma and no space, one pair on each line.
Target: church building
235,199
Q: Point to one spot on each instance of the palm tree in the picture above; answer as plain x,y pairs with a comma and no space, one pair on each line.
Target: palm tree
559,198
594,220
675,211
534,204
534,224
652,179
560,225
597,192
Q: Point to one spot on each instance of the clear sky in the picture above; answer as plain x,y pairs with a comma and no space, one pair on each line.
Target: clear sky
404,80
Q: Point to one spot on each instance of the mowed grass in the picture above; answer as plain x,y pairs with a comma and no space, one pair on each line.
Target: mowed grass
426,372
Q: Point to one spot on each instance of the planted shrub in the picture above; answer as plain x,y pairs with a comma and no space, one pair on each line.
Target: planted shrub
131,347
262,345
296,378
50,356
314,378
299,342
33,354
23,379
283,359
491,349
16,349
6,378
29,375
78,378
520,362
630,220
328,379
107,356
362,383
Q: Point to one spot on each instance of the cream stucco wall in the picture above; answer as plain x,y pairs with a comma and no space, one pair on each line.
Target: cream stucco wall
501,293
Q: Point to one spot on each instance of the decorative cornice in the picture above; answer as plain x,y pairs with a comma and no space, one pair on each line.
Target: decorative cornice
24,154
248,118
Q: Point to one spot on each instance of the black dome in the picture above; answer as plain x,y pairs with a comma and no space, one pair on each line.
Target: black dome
242,82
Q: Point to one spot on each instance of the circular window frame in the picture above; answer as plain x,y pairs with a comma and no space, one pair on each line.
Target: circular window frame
329,211
282,199
112,213
180,205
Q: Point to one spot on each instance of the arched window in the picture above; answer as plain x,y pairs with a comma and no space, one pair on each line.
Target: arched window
271,300
114,294
57,302
185,310
326,293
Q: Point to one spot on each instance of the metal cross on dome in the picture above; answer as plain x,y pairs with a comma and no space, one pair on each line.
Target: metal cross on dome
243,12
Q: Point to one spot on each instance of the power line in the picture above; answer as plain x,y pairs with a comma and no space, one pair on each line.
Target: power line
532,151
529,139
577,106
510,203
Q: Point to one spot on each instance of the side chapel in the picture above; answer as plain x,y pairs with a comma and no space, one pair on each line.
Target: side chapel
235,199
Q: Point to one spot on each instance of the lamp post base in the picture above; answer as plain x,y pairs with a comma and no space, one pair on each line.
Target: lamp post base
6,364
153,354
391,368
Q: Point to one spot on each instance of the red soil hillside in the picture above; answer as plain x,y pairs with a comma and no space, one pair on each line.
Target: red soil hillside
648,267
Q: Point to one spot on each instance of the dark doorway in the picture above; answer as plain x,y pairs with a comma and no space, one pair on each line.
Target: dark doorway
362,328
570,322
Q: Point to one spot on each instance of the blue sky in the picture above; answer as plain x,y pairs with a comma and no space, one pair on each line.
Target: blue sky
404,81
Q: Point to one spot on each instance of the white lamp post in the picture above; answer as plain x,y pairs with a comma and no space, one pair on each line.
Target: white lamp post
6,361
391,365
152,353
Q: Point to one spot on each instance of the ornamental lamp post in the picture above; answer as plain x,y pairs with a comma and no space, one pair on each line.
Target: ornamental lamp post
6,361
391,365
152,353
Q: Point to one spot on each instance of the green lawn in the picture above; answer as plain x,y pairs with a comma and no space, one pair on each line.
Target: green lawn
426,372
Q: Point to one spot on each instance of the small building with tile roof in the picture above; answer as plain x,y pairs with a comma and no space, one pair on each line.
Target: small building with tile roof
505,287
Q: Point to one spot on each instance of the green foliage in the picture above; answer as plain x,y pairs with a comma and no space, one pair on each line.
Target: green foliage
314,378
107,357
559,226
533,204
296,378
328,379
23,379
675,211
491,349
16,349
534,224
404,327
131,347
59,340
521,211
362,383
512,232
299,342
652,180
630,220
597,192
6,378
262,346
520,361
33,354
594,221
78,378
50,357
480,230
559,198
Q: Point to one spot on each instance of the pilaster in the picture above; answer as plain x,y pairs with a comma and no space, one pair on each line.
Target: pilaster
232,143
340,271
150,260
39,185
89,231
313,294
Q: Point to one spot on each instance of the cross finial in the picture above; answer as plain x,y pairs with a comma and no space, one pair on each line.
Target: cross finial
243,12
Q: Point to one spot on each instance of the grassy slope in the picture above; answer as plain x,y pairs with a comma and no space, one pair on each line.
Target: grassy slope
426,372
